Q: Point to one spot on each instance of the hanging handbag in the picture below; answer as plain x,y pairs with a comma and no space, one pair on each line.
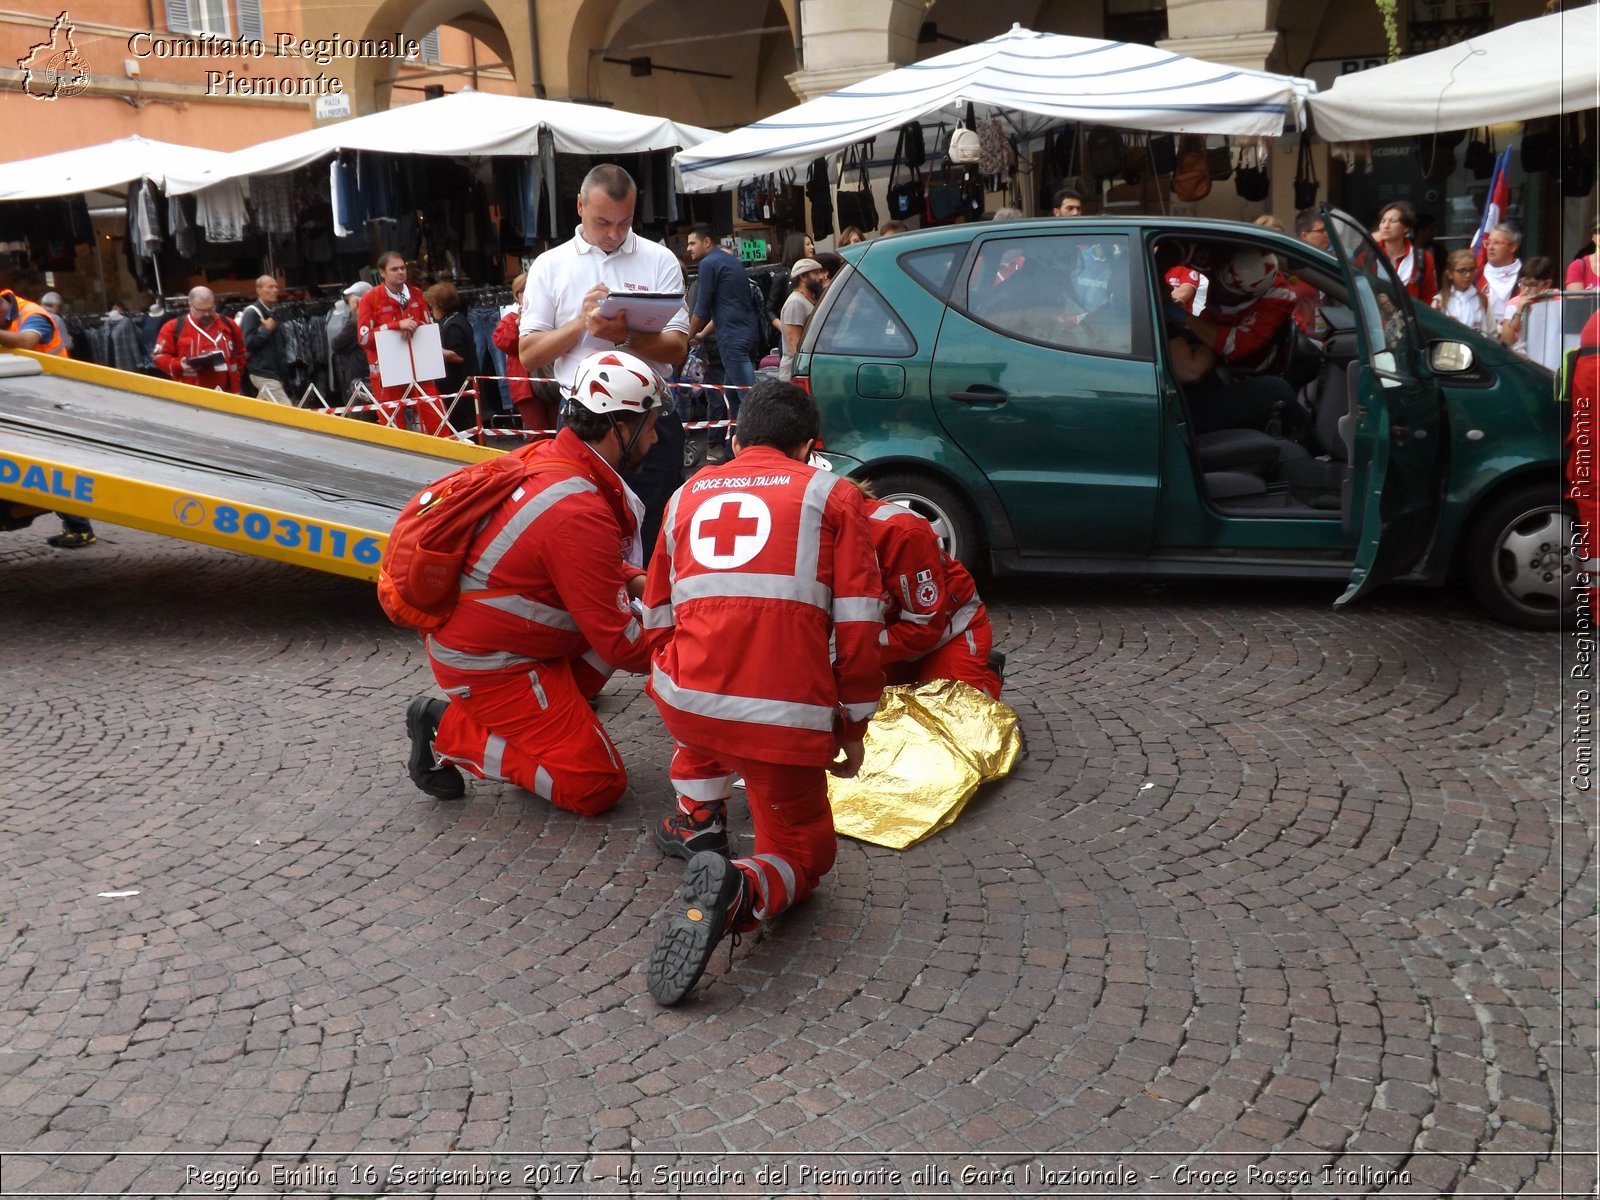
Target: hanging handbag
942,204
916,152
1305,176
821,197
1577,161
1163,154
1105,157
1191,180
789,209
1479,155
855,204
905,199
1219,156
1252,181
972,192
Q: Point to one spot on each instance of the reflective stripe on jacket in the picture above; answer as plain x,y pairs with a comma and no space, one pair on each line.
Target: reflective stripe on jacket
549,564
929,597
764,606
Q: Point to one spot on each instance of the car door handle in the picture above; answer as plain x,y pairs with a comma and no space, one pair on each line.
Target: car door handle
980,394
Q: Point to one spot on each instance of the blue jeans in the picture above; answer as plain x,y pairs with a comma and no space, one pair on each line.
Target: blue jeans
490,359
739,371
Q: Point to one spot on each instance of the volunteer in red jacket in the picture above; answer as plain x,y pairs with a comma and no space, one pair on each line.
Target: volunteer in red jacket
764,607
935,624
394,305
1248,305
545,613
201,334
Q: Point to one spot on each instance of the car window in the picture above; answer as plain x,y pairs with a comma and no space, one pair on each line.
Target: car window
934,268
1068,291
860,321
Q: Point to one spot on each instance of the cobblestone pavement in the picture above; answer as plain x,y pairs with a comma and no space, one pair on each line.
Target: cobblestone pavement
1276,890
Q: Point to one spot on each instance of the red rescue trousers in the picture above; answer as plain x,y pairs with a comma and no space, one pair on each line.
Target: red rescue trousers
964,658
431,415
794,844
531,725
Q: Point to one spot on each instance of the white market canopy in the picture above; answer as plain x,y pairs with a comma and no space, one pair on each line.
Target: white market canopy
100,168
1053,76
1534,68
465,124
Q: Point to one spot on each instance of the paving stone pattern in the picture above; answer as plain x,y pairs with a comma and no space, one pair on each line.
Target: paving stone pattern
1276,889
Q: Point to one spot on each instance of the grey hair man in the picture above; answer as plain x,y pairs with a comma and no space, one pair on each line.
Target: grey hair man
1501,268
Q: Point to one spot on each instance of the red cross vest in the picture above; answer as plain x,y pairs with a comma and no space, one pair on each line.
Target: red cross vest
764,607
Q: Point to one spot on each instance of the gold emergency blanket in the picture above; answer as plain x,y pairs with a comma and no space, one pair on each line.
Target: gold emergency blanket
927,750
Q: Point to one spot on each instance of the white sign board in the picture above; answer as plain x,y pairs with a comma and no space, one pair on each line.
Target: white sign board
403,360
330,107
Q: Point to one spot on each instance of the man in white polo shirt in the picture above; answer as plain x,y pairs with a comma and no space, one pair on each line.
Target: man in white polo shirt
562,325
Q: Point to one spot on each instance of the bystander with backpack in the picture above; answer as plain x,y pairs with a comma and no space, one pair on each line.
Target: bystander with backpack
526,606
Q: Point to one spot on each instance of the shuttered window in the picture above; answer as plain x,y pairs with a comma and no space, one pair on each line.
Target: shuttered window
250,19
430,47
203,16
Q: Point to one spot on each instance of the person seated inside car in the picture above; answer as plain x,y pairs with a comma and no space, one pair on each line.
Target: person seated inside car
1249,306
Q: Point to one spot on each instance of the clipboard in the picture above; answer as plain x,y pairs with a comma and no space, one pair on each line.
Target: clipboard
403,360
211,360
648,312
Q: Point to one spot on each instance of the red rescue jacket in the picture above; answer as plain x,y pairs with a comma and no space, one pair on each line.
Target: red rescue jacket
764,609
554,553
505,337
172,347
929,598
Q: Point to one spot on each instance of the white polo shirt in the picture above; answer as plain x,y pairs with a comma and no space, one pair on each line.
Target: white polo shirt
561,277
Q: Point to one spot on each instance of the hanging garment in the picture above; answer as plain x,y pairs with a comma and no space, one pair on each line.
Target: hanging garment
272,202
220,209
145,219
185,237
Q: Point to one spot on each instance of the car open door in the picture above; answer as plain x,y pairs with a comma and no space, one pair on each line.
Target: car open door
1398,442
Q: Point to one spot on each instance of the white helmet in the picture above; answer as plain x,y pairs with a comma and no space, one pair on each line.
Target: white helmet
1249,272
613,381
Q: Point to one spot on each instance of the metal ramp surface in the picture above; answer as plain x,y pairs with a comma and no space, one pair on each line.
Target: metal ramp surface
248,475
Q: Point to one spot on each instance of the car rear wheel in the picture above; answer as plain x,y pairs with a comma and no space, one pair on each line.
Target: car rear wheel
1520,562
944,508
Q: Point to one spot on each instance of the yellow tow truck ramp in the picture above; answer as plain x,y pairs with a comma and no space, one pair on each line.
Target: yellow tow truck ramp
299,486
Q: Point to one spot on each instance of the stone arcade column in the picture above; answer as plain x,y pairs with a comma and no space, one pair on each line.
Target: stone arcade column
844,41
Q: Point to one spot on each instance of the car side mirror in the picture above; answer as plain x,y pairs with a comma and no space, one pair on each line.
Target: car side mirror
1450,358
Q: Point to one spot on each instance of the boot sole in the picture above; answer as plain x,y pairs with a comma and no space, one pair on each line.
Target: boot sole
681,953
442,783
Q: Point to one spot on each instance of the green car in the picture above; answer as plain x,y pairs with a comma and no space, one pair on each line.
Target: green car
1018,384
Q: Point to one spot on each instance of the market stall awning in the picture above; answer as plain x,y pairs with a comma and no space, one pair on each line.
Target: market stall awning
1534,68
465,124
1050,76
100,168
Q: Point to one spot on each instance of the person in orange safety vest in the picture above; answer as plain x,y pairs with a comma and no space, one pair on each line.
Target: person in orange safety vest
546,610
393,304
764,607
25,325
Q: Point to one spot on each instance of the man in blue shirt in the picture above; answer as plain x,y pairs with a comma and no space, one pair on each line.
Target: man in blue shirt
722,296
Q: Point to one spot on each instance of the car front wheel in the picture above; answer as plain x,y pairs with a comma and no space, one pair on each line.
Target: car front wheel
1520,561
944,509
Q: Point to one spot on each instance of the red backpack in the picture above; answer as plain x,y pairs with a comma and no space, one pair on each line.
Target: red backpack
419,579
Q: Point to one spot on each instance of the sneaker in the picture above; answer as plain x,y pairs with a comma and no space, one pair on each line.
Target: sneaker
71,540
719,897
422,726
686,837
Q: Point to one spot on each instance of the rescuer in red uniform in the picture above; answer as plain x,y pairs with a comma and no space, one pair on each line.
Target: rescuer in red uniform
546,612
764,609
202,347
394,305
936,625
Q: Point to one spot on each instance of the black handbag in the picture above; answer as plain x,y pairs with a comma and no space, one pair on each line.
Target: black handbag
912,145
1479,155
1220,160
905,199
972,194
789,209
856,205
821,196
942,204
1163,154
1305,177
